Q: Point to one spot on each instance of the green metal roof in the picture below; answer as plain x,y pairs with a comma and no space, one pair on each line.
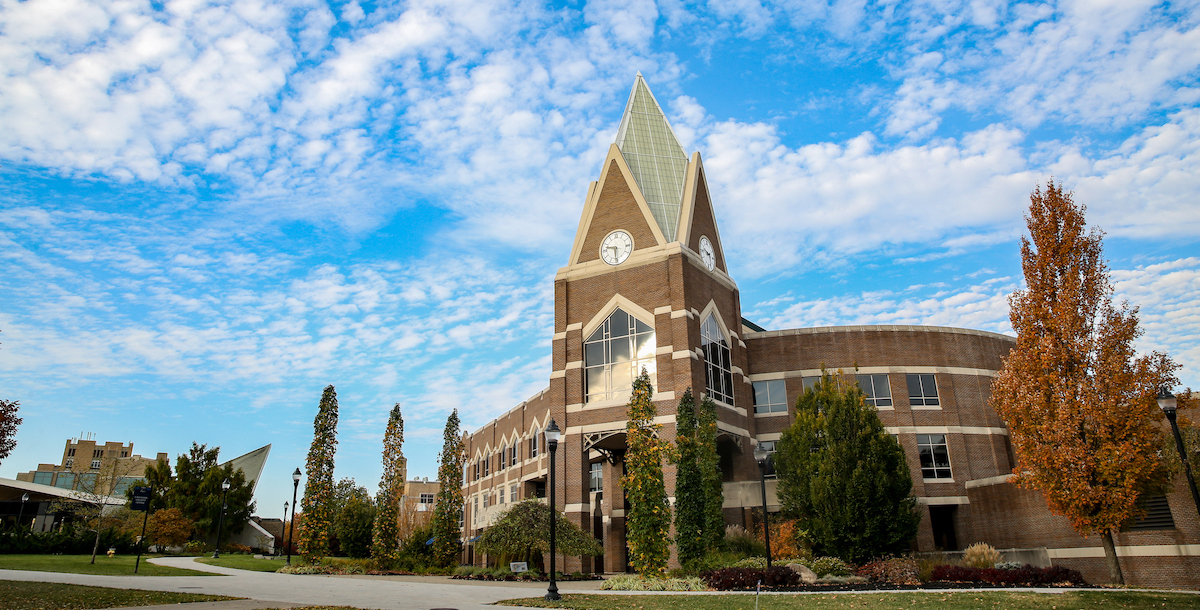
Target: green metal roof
654,156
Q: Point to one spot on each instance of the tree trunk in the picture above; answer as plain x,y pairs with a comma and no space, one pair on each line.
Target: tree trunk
96,546
1110,553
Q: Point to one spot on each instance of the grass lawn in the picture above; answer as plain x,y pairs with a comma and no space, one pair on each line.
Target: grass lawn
874,601
121,565
245,562
16,595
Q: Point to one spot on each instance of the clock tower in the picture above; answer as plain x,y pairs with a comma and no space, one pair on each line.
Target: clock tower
646,286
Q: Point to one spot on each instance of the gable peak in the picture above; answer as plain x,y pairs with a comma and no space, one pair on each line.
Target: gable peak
654,156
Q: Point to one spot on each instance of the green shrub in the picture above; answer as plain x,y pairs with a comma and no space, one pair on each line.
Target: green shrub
742,543
827,566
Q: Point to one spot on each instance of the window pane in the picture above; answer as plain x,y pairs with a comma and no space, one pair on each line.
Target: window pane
593,354
595,380
882,389
645,345
597,335
914,386
621,378
778,392
762,394
621,350
642,327
620,323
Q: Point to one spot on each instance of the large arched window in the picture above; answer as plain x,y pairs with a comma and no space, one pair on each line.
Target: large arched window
614,354
717,366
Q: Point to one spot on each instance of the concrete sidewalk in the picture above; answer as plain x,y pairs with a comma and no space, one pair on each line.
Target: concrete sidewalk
289,590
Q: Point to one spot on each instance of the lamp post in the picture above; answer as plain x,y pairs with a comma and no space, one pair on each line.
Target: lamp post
1166,402
283,532
292,526
221,522
552,434
21,514
761,456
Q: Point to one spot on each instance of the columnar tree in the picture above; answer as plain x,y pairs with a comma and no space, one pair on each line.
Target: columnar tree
844,477
318,502
1078,401
710,473
385,538
689,483
449,505
648,523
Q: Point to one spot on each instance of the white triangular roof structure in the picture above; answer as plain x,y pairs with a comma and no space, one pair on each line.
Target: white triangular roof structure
251,464
653,155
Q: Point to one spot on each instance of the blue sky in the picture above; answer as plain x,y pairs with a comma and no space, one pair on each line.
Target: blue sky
211,210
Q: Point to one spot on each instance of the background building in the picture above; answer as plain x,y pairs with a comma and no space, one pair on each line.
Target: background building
647,286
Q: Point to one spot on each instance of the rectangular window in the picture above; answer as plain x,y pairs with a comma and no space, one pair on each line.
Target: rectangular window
502,494
427,498
124,454
95,464
70,462
810,382
501,463
770,397
512,493
65,480
43,478
922,390
876,389
475,511
512,454
476,467
935,456
596,477
487,467
769,447
533,444
97,453
71,452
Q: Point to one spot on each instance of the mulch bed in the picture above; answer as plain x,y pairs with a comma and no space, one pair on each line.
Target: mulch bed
515,578
880,586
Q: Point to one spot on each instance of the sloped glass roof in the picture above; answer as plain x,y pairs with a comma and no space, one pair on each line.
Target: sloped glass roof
654,156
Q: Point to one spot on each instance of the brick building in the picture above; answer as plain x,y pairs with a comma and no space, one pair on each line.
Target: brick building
647,285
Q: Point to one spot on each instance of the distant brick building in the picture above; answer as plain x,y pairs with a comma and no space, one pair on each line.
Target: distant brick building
83,460
647,285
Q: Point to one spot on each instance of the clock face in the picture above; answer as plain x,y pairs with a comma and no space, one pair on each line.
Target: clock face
616,247
706,253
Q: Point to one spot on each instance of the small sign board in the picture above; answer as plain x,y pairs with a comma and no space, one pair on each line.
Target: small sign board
141,499
518,566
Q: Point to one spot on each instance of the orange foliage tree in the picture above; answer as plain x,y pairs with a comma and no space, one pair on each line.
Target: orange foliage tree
1078,401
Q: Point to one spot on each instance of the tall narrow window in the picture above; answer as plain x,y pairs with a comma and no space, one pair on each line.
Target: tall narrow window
512,454
770,396
769,447
935,456
875,389
922,390
596,478
533,444
717,366
615,354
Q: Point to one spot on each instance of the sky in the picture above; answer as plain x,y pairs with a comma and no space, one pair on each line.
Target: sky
210,210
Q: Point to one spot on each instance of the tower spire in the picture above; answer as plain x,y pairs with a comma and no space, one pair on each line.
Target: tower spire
654,156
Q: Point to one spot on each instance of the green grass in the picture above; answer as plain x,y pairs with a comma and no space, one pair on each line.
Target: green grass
121,565
19,595
245,562
1091,600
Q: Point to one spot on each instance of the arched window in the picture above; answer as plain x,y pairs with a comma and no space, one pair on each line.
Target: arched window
614,354
717,366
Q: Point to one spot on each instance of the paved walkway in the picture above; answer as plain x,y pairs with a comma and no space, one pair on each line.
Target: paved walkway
288,590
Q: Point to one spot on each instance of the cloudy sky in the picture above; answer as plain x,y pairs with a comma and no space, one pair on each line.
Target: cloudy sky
210,210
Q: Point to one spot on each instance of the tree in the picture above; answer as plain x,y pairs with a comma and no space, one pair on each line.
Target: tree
689,483
1078,402
353,524
648,522
386,536
843,477
195,489
449,505
710,473
93,490
169,527
318,502
8,426
524,530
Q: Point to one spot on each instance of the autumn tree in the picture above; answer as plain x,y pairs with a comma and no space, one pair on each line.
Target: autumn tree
648,522
318,503
386,536
354,515
843,477
1079,403
195,489
449,505
524,530
169,527
8,426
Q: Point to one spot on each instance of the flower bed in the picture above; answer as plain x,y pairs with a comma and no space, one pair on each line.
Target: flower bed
1026,575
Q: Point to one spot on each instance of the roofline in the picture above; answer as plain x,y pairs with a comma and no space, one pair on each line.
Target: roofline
877,328
56,492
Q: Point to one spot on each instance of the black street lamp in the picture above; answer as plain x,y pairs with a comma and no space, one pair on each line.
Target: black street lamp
282,534
21,514
1166,402
292,526
221,523
552,434
761,456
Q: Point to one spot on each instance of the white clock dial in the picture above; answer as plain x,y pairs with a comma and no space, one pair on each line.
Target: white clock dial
706,253
616,247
